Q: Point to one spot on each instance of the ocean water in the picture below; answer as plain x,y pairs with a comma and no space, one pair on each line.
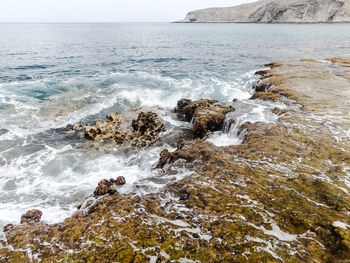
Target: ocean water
54,75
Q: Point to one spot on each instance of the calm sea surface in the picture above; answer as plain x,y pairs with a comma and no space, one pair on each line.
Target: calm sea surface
54,75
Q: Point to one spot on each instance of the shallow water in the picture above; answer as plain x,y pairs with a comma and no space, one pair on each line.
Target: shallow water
53,75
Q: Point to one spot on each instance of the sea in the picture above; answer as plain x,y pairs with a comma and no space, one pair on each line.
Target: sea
53,76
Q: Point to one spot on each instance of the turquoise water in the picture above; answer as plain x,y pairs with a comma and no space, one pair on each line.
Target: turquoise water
54,75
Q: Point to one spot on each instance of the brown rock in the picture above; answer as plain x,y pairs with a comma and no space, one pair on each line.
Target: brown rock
120,181
31,217
147,123
114,118
8,227
265,96
207,115
145,130
108,186
77,126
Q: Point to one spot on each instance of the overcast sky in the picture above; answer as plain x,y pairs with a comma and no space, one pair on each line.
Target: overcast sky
103,10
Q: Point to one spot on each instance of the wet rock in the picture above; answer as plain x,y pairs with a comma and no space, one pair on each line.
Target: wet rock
278,111
8,227
31,217
166,157
108,186
207,115
113,118
144,130
265,96
189,151
262,73
120,181
186,108
77,126
147,123
262,86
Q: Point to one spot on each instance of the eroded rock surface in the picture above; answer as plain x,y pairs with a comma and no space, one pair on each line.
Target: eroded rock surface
143,131
280,196
108,186
207,115
31,217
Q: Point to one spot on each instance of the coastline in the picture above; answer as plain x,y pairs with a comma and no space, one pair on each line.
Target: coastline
280,195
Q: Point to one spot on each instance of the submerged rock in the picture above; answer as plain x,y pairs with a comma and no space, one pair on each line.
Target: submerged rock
31,217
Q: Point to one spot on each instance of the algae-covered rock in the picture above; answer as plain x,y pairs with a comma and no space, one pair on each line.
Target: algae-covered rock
143,132
265,96
31,217
108,186
207,115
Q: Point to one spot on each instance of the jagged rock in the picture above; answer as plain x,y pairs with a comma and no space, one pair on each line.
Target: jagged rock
103,130
108,186
186,108
113,118
31,217
8,227
146,127
276,11
145,130
188,151
207,115
147,123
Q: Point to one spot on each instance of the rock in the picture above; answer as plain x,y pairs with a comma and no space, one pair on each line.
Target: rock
166,157
108,186
147,123
77,126
145,130
265,96
8,227
207,115
186,108
120,181
113,118
278,111
31,217
188,151
276,11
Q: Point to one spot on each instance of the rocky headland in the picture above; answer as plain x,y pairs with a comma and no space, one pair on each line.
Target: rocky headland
276,11
283,195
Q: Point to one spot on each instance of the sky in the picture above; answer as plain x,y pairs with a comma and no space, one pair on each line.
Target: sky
104,10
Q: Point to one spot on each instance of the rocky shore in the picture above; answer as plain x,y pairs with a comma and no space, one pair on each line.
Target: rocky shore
280,196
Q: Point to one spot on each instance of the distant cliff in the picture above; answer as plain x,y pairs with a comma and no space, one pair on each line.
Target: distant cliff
276,11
